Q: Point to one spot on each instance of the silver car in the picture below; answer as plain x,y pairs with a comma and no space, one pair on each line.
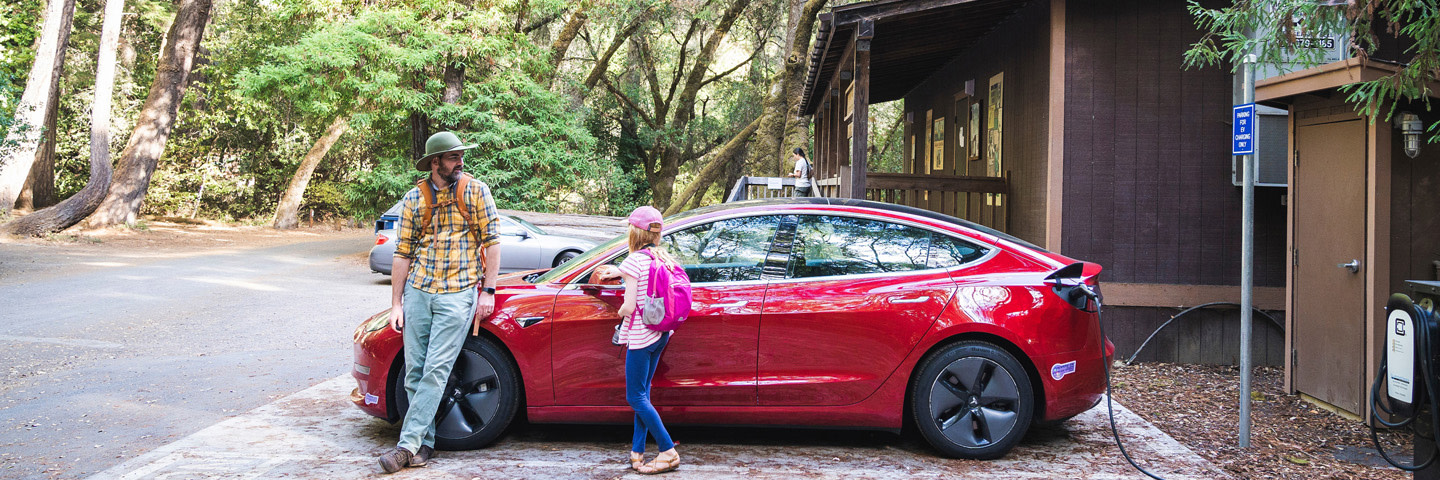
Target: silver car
523,245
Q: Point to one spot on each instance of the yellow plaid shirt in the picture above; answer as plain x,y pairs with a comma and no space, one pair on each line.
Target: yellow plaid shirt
448,260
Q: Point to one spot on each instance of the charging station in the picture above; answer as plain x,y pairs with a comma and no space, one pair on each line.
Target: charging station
1409,375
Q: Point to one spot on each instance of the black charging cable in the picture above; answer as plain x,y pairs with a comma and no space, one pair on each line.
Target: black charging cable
1109,407
1423,341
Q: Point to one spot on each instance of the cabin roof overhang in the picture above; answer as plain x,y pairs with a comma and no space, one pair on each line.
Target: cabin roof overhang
912,40
1328,77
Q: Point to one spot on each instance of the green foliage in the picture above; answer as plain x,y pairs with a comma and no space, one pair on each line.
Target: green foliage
1273,30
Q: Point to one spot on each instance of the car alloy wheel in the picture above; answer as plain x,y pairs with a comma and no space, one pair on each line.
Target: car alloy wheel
565,257
973,400
479,400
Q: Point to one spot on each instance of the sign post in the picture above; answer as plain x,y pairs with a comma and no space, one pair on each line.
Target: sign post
1243,143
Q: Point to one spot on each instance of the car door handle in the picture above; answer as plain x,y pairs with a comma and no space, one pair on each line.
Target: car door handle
728,305
918,299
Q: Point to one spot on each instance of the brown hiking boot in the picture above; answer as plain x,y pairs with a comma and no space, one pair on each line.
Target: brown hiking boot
394,460
422,457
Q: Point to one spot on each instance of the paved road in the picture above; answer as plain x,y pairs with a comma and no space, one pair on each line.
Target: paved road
105,356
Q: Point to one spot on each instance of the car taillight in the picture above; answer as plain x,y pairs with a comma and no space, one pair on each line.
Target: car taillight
381,239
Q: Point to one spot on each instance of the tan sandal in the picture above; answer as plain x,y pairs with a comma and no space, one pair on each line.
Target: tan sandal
661,464
637,460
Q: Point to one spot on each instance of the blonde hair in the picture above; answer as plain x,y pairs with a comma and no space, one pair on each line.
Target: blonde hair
641,238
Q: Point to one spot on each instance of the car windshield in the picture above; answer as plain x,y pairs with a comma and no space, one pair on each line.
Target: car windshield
579,262
527,225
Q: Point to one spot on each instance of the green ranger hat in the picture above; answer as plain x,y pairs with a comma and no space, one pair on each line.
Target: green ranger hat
440,143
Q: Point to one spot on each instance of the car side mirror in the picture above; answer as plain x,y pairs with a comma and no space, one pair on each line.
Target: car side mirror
515,232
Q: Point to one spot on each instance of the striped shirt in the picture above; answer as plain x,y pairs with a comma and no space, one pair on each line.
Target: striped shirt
634,332
447,261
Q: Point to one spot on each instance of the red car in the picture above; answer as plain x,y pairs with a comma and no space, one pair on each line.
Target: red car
807,312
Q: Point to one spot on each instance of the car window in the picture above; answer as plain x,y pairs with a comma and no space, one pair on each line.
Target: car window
725,250
834,245
947,251
527,225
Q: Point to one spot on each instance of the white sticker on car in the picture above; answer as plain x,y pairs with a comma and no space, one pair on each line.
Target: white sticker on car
371,399
1060,370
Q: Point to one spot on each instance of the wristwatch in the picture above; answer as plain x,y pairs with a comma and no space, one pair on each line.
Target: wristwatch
489,290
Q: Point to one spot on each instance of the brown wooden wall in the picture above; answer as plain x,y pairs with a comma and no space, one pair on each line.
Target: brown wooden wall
1147,191
1018,47
1414,209
1147,163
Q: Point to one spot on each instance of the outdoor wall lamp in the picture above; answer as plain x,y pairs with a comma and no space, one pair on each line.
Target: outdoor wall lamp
1411,127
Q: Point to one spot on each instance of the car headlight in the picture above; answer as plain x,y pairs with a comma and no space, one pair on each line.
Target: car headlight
379,321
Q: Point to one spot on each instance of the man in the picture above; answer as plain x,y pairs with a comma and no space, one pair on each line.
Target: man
802,172
433,286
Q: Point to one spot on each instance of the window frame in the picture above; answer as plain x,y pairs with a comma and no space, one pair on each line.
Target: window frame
769,250
991,250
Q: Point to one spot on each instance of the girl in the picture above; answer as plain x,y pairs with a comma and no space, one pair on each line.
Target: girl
645,345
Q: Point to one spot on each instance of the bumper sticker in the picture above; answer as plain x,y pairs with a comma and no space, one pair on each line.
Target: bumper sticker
371,399
1060,370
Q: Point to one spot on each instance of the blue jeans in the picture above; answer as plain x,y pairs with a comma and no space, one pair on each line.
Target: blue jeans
640,366
435,328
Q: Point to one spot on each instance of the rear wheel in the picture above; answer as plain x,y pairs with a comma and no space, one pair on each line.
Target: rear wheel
972,400
478,402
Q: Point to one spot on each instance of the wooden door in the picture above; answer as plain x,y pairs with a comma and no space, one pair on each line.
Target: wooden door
1329,328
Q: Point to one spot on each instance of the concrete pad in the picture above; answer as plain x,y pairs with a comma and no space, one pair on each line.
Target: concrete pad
317,433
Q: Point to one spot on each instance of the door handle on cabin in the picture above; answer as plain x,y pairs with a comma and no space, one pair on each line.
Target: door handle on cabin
918,299
728,305
1354,266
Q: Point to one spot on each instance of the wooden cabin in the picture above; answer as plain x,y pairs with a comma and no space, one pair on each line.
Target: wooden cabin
1074,124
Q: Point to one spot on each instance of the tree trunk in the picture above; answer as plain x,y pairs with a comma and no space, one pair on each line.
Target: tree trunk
39,189
773,142
152,128
419,133
79,206
285,214
712,170
35,102
454,83
563,40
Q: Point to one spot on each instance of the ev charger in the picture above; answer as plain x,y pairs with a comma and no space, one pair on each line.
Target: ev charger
1400,355
1408,372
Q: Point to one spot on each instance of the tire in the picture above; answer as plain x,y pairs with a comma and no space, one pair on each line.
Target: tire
972,400
563,257
480,400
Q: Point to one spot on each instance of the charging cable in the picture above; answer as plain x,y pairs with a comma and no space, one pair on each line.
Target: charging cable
1109,407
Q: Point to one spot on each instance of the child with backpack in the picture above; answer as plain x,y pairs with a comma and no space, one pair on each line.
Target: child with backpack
645,342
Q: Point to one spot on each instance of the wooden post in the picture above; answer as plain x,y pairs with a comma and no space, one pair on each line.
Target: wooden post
864,31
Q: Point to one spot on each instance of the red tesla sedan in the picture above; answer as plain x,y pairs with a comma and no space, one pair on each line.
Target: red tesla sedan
807,312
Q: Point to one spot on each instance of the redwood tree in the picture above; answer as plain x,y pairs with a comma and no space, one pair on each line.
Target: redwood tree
78,206
26,133
152,129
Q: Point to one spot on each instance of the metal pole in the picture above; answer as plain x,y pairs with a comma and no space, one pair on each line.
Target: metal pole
1247,255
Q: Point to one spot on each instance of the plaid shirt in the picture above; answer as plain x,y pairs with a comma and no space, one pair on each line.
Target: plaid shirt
447,261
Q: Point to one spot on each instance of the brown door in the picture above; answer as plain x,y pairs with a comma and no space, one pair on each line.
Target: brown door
1329,195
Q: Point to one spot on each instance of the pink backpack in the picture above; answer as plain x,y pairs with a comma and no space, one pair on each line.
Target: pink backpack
669,290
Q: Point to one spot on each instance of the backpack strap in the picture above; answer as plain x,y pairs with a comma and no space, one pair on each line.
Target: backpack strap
427,208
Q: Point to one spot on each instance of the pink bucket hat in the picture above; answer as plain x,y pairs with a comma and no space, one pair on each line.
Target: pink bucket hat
646,218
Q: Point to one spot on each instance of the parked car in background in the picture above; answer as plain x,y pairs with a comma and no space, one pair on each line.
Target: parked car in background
523,246
807,312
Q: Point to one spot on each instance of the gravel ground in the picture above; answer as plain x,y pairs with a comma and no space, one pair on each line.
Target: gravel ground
1290,438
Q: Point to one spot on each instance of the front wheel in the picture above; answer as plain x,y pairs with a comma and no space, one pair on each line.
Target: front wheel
564,257
972,400
478,402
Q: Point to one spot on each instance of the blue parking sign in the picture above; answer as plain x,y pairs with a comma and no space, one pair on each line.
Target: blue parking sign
1244,139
